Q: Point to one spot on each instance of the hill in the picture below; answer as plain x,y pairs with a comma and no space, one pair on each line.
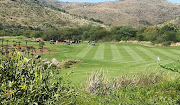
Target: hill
135,13
175,21
34,14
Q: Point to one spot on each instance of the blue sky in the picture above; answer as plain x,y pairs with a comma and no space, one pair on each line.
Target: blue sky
174,1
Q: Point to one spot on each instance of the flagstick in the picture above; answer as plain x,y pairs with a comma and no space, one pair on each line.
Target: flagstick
158,59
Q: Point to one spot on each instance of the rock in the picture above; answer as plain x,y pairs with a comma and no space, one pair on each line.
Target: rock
47,62
44,60
55,62
37,56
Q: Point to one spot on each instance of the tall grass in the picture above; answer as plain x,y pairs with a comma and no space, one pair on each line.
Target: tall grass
98,83
146,88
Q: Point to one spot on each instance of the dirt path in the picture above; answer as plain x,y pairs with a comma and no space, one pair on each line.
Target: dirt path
147,45
35,51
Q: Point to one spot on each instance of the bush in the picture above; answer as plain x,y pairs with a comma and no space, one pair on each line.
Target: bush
68,63
26,81
166,43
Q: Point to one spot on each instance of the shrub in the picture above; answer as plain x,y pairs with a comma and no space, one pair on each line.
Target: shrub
166,43
26,81
68,63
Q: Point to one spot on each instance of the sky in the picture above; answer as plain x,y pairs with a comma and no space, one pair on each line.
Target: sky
95,1
174,1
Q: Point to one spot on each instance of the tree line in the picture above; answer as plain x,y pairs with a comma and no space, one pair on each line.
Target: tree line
165,34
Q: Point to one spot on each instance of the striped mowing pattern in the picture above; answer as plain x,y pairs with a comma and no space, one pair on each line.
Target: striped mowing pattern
176,51
133,54
169,55
84,52
120,53
99,55
115,53
107,52
147,52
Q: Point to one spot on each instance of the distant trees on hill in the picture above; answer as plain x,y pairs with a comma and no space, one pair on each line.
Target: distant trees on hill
96,20
164,35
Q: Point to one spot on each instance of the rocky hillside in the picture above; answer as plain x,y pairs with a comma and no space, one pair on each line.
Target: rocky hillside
175,21
32,13
135,13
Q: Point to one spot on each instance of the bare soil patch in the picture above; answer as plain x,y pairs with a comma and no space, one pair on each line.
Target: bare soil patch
35,51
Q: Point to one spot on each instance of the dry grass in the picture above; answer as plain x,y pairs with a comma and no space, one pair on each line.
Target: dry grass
68,63
127,12
99,84
27,13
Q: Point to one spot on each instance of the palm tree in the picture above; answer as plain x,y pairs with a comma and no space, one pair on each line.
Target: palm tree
14,41
41,47
13,50
26,42
19,45
28,48
7,46
14,44
7,42
39,43
1,46
2,43
49,50
24,51
33,48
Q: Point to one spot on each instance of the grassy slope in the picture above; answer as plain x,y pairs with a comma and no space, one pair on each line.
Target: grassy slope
115,58
29,13
126,12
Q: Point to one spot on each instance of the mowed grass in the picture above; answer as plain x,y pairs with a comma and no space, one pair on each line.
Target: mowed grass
114,58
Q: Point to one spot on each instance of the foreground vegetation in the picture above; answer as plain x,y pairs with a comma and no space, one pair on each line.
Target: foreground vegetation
29,81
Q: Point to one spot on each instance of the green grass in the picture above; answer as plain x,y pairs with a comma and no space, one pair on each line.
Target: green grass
115,58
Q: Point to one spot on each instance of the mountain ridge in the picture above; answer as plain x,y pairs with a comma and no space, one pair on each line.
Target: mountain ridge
29,13
137,13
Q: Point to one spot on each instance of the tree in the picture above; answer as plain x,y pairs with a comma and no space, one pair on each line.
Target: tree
14,43
27,33
1,27
28,48
41,47
170,36
7,46
2,41
100,35
49,50
178,36
123,32
51,34
2,44
168,27
19,47
36,34
26,42
33,48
